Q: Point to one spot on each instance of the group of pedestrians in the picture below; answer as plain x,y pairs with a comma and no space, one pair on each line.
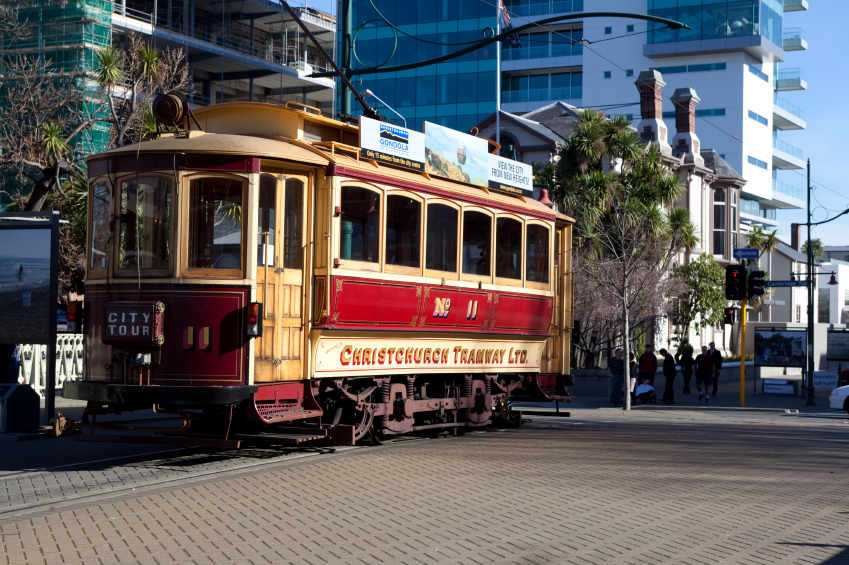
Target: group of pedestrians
706,367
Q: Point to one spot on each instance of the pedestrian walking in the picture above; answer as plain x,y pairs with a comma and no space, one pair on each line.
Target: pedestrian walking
716,356
616,369
704,373
632,372
669,372
648,365
684,357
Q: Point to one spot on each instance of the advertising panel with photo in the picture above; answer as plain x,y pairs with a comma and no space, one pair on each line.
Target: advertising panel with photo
455,155
392,144
780,348
838,346
25,285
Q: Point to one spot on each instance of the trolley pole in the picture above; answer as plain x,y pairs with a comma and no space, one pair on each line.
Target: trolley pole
743,354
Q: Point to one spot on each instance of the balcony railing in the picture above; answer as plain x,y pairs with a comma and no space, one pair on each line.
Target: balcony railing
784,188
541,51
793,33
792,108
541,94
790,74
787,148
289,56
543,7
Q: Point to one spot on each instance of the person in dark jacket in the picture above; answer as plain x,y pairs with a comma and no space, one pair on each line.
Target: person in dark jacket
716,356
669,372
704,373
647,365
684,357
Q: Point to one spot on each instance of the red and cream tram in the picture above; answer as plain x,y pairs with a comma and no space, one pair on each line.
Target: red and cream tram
261,276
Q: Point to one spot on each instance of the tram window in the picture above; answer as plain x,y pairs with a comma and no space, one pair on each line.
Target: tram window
101,213
215,224
293,224
403,226
145,233
360,224
267,215
508,248
441,238
477,228
536,246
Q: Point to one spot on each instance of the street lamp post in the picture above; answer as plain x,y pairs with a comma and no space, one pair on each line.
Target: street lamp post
366,93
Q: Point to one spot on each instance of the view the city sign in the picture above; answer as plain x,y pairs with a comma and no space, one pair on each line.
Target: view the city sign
447,153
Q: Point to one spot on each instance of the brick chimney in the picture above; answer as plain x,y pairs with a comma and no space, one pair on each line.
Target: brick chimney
651,127
796,236
686,143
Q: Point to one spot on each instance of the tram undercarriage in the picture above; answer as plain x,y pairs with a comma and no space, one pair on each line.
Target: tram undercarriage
318,412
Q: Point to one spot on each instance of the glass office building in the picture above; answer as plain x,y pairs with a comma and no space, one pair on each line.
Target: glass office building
456,94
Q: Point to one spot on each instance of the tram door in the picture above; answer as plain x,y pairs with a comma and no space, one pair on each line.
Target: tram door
280,279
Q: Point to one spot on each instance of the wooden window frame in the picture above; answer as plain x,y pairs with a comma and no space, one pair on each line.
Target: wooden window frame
533,284
504,281
100,273
145,273
185,209
399,269
458,264
350,264
477,278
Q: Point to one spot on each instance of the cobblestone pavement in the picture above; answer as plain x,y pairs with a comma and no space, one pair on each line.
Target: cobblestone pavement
600,487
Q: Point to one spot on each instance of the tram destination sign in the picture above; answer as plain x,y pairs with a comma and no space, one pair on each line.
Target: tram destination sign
392,144
133,323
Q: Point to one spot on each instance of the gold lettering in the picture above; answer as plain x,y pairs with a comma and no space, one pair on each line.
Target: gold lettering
464,356
479,358
357,354
367,356
524,356
408,355
389,356
427,355
345,356
381,355
399,356
488,357
417,355
457,350
445,356
435,355
510,357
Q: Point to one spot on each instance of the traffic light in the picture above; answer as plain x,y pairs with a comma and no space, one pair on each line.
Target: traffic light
756,284
735,282
729,316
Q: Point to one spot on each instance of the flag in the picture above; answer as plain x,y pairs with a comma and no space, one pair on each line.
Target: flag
504,18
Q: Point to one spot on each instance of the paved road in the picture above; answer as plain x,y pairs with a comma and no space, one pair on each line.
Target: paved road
600,487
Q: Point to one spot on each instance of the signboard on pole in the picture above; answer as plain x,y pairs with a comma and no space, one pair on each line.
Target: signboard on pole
780,348
838,346
392,144
778,284
825,379
746,253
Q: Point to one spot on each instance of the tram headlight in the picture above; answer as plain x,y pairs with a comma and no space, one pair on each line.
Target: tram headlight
255,319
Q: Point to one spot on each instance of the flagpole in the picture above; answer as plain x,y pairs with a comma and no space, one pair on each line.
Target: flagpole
498,74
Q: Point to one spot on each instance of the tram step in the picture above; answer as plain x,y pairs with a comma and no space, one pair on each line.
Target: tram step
280,438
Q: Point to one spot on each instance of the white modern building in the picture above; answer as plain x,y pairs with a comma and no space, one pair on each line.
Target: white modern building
735,57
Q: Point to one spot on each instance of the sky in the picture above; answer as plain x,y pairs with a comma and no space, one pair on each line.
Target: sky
31,243
825,104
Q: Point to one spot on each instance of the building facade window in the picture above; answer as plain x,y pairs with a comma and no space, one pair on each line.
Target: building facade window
719,222
717,19
608,30
757,163
824,303
704,113
607,74
733,226
562,43
758,73
691,68
532,88
534,7
758,118
630,29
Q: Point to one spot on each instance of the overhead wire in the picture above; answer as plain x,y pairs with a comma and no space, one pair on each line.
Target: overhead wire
586,45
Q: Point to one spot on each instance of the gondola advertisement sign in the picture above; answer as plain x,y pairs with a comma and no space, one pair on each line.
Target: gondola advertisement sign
392,144
456,156
780,348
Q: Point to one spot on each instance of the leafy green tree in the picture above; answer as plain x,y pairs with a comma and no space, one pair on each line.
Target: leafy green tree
817,248
703,298
621,195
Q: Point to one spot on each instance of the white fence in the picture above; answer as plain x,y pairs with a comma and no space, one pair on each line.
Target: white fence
69,362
